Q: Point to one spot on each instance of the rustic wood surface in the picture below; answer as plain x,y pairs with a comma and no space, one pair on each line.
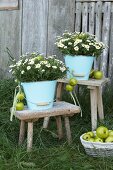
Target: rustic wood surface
10,36
60,108
93,96
90,82
29,136
8,4
36,23
60,18
34,28
105,36
22,132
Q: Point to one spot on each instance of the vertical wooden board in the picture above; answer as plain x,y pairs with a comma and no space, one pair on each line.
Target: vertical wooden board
61,18
105,36
92,17
92,22
10,36
78,12
98,28
110,73
34,31
85,17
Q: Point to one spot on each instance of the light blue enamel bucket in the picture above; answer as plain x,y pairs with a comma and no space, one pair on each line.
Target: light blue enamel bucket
79,66
40,95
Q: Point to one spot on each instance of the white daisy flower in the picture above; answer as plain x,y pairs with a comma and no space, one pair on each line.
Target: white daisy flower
48,65
62,69
10,70
37,66
76,48
97,47
69,43
28,67
31,62
22,72
54,67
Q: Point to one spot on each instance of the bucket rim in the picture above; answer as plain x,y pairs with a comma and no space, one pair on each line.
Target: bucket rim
39,81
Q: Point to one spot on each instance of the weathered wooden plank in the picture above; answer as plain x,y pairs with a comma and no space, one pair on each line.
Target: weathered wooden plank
35,18
91,23
93,0
61,18
8,4
91,17
110,67
90,82
10,35
98,29
105,36
93,99
78,12
85,17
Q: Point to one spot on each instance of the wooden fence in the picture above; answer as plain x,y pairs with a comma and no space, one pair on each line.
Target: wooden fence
35,25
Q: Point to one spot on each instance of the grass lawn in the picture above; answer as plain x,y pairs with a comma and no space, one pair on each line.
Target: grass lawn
48,152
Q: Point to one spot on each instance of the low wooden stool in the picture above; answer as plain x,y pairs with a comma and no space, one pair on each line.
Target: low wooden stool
59,109
95,88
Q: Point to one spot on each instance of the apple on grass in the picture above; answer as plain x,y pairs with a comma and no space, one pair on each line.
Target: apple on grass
102,132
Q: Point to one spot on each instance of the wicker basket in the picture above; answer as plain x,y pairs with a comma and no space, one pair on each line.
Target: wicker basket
97,149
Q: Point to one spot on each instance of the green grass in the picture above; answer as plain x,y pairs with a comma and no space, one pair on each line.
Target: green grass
48,152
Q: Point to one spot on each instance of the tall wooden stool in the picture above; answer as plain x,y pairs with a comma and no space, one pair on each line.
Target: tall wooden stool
59,109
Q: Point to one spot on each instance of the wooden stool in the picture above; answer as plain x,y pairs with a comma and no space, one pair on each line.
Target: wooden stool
59,109
95,88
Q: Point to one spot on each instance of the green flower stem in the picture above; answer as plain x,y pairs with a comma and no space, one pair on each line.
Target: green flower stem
13,109
15,100
73,98
77,101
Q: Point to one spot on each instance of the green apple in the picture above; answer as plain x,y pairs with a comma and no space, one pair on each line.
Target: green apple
111,133
109,139
69,88
98,140
91,134
98,75
102,132
20,96
72,81
86,137
19,106
91,140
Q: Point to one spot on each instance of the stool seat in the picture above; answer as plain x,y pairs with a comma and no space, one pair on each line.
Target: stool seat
59,108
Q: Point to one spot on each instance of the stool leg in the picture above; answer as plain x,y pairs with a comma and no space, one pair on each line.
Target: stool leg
22,132
100,103
29,136
46,122
93,96
59,127
68,130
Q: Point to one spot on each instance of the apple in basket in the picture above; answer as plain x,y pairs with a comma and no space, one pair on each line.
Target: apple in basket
102,132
